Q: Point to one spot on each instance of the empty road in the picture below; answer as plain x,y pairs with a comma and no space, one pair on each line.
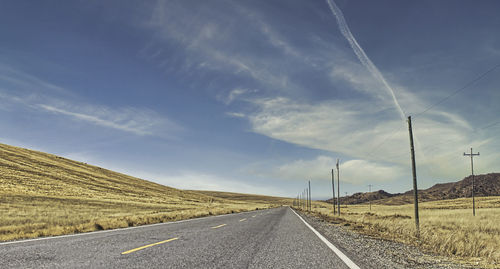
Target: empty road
274,238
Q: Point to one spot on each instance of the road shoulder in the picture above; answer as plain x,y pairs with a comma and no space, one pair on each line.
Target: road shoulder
368,252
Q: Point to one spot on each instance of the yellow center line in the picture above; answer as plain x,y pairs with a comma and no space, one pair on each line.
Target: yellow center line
150,245
222,225
243,219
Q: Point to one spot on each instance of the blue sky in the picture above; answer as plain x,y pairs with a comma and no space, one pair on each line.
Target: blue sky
255,96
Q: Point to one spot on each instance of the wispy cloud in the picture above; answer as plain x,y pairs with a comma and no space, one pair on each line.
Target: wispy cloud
210,44
136,121
360,132
362,107
19,81
235,114
352,171
20,90
233,95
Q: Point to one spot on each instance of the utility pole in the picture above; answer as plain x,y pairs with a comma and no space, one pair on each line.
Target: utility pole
305,200
369,191
333,189
345,199
472,170
338,187
302,200
414,171
310,199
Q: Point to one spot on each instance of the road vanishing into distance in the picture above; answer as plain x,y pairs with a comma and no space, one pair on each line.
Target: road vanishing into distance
273,238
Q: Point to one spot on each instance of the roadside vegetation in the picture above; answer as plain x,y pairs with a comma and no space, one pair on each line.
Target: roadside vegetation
43,194
447,227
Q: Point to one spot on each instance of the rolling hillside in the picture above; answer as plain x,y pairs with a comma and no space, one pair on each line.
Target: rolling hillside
43,194
245,197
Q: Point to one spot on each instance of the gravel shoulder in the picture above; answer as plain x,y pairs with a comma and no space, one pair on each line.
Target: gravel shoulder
377,253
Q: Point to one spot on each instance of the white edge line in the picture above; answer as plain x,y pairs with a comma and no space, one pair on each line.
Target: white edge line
121,229
339,253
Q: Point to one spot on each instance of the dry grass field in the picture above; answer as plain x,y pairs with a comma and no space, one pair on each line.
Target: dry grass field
447,227
43,194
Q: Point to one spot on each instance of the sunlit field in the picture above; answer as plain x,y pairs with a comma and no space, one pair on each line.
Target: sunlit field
447,227
42,195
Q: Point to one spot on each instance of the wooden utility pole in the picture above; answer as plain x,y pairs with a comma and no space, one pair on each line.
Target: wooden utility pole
305,196
310,199
472,170
333,189
302,200
338,188
414,172
369,191
307,199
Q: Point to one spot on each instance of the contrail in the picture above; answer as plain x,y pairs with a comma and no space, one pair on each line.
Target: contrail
360,53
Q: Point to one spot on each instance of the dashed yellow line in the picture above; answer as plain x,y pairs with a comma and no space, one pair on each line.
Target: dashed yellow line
222,225
150,245
243,219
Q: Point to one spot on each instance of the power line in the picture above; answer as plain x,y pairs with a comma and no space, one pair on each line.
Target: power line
459,90
489,125
387,138
468,84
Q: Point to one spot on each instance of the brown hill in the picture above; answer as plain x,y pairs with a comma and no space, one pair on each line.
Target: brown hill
485,185
363,197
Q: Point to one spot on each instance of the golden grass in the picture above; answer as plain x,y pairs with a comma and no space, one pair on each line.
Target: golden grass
447,227
42,194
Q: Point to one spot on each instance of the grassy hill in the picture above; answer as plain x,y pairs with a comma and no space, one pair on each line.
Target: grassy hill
43,194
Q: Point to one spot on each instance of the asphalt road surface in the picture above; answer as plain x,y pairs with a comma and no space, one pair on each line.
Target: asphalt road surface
274,238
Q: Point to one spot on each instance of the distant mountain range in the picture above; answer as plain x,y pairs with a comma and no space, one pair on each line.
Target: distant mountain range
485,185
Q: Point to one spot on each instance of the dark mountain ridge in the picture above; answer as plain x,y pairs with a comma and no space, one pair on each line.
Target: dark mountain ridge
485,185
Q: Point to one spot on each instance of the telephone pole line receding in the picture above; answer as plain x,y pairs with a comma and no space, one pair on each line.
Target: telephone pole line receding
338,187
472,170
333,189
414,171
